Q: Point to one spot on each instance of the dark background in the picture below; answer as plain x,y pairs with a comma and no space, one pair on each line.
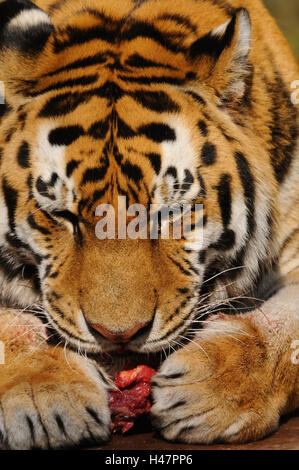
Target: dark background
286,13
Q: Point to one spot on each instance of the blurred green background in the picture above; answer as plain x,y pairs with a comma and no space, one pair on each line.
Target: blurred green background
286,13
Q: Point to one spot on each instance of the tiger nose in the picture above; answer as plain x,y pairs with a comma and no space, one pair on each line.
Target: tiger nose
124,337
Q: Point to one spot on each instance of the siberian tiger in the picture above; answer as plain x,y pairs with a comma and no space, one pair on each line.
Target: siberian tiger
163,102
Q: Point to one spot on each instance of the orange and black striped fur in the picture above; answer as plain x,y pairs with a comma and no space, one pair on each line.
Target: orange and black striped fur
161,101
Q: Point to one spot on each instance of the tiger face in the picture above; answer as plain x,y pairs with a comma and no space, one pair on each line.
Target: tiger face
104,99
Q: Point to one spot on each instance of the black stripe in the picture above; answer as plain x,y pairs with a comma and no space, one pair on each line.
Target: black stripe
123,130
22,120
180,20
99,129
97,59
181,268
30,186
155,160
47,215
225,198
117,155
225,242
187,182
249,190
94,415
53,276
178,310
158,132
47,270
147,30
191,267
66,332
95,174
63,104
134,194
208,154
157,101
54,178
133,172
138,61
152,80
77,36
99,193
11,199
31,429
176,405
33,224
23,155
81,81
202,256
10,133
203,128
183,290
284,130
203,192
174,329
172,171
109,90
71,166
65,135
4,109
196,97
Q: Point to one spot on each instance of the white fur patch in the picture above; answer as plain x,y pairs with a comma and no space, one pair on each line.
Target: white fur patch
181,155
48,159
220,30
29,18
244,39
178,153
234,428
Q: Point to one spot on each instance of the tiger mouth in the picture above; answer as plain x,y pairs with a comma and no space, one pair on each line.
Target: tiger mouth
115,363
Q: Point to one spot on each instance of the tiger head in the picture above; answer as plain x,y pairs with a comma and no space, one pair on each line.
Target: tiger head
133,99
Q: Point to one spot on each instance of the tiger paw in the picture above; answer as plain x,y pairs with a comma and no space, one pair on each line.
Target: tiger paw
221,388
49,401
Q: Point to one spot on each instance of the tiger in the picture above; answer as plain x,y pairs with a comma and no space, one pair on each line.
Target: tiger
159,102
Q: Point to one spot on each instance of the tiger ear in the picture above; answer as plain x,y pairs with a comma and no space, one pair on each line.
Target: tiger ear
222,55
23,26
24,32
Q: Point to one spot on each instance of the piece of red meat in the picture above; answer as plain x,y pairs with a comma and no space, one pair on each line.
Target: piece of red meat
132,400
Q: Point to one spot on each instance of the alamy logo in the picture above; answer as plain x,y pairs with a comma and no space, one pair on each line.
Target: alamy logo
157,221
295,94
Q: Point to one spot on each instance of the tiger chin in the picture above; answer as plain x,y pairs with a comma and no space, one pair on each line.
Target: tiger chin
185,102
